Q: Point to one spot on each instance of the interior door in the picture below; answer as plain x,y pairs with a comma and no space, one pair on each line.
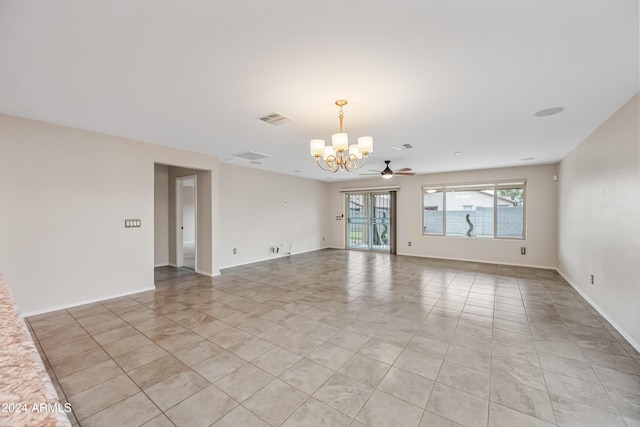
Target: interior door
186,220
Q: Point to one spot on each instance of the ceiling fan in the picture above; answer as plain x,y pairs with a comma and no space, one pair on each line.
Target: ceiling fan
388,173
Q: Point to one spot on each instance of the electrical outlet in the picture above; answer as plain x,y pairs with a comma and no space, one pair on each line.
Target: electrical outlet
235,251
409,243
592,279
323,238
523,250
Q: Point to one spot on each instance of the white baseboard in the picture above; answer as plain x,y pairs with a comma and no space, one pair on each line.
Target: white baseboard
254,261
206,273
273,257
621,331
83,302
311,250
544,267
166,264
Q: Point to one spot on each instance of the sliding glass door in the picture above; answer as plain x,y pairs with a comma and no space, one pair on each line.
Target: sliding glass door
368,221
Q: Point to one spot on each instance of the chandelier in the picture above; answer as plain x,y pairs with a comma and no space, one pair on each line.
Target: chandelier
335,156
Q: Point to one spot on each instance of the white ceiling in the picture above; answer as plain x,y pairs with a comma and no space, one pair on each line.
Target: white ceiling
444,76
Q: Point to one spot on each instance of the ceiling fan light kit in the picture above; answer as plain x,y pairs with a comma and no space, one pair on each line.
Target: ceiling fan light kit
340,155
388,173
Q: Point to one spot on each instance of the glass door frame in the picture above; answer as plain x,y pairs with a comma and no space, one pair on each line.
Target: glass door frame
371,222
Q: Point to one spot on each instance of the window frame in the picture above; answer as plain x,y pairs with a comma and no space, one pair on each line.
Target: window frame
495,185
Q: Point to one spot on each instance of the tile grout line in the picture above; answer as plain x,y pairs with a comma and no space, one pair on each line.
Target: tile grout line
123,372
325,295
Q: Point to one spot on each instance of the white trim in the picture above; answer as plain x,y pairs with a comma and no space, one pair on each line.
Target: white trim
387,188
89,301
544,267
464,186
621,331
206,273
161,265
256,260
276,257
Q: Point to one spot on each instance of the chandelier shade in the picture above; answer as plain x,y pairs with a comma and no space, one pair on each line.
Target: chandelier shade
328,151
365,144
317,147
340,155
340,141
355,150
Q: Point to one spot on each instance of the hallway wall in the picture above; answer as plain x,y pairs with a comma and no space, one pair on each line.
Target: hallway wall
63,240
599,216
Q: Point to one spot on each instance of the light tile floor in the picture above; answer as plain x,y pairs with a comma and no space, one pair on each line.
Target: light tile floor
338,338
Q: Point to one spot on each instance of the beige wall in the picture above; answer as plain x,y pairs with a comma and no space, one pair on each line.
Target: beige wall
541,218
260,208
65,195
161,216
599,217
69,192
66,192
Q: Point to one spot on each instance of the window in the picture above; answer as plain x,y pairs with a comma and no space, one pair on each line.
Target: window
433,210
510,205
490,210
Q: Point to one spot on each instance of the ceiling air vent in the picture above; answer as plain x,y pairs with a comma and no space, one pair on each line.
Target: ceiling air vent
250,155
401,147
275,119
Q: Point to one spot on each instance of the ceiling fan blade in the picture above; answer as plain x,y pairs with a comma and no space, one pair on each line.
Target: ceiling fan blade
403,170
373,170
404,173
377,173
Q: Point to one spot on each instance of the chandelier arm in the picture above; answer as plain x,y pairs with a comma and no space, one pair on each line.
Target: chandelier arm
353,165
329,168
333,162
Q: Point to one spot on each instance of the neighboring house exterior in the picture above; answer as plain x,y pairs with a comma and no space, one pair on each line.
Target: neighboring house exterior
464,200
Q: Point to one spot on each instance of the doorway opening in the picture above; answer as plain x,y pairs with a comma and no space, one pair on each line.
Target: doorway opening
370,221
186,220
